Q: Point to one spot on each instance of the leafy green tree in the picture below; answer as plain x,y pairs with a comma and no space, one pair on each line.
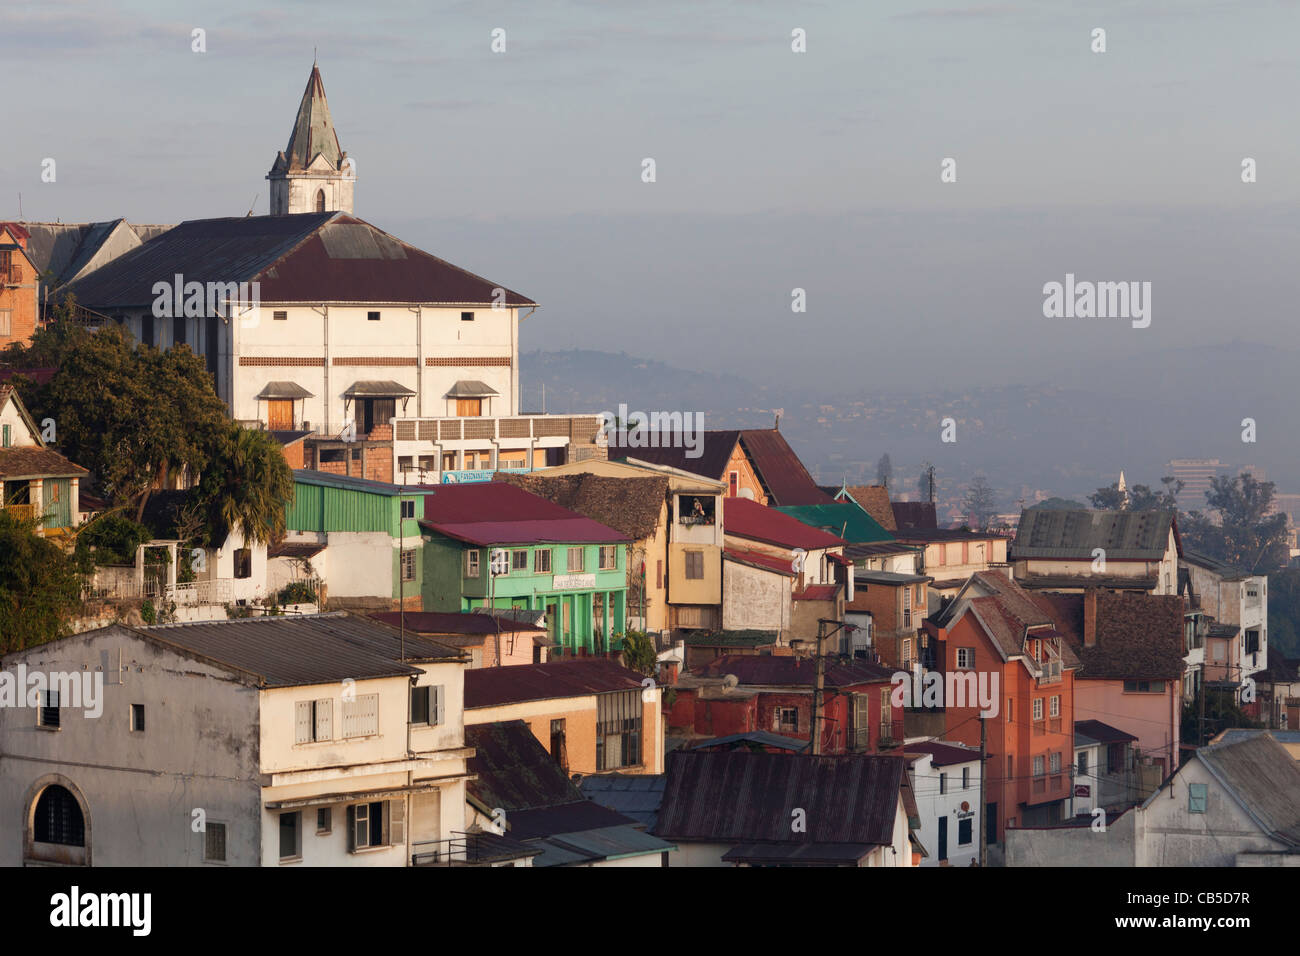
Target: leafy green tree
639,653
40,585
1239,530
1139,497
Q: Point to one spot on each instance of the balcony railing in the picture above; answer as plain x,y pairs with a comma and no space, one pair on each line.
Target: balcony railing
887,733
464,849
859,741
579,428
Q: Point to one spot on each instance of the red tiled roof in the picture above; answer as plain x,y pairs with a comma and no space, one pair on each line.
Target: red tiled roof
769,562
783,475
494,686
748,519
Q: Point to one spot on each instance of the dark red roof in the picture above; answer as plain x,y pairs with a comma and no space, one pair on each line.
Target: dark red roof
749,519
783,475
944,754
770,562
771,670
310,257
495,512
715,448
494,686
817,592
914,516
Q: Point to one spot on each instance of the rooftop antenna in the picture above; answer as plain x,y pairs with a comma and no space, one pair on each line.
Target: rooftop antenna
20,207
252,207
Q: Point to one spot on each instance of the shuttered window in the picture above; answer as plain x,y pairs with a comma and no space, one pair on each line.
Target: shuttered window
314,720
694,565
361,716
427,704
1198,795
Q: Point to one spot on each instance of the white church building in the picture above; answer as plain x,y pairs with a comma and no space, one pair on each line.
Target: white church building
314,321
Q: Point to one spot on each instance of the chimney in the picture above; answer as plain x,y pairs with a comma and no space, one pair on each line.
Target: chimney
1090,617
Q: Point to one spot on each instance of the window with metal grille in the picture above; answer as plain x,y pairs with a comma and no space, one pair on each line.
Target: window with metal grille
58,818
966,658
542,561
786,719
214,842
49,712
408,565
577,559
694,565
361,716
943,783
313,720
279,315
618,729
608,557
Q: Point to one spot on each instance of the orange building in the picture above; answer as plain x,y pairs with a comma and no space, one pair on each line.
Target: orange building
18,284
1008,639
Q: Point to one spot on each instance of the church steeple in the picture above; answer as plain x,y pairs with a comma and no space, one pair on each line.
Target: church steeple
312,174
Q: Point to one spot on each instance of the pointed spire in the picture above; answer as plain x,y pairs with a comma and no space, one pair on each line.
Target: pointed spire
313,131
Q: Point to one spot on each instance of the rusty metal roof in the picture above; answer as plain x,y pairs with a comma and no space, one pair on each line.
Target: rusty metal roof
782,474
1075,534
300,258
739,797
295,651
313,130
580,677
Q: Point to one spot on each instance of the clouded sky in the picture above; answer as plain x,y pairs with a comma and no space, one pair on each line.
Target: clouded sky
775,169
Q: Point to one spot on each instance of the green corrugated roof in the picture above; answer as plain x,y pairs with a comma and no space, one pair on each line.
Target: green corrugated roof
844,519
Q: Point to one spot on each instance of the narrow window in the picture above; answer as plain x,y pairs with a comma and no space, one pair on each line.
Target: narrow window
324,820
408,565
290,833
49,713
137,717
542,561
214,842
320,200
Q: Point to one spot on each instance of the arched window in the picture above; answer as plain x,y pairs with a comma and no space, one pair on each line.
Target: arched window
58,818
320,200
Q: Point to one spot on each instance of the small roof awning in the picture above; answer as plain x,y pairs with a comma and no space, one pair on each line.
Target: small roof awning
284,390
377,389
471,388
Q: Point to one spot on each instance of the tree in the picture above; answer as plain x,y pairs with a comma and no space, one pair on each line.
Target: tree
884,470
980,503
1139,497
246,485
132,415
40,585
1058,504
923,482
1240,531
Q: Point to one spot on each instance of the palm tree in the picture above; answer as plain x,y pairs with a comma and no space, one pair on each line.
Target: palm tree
247,485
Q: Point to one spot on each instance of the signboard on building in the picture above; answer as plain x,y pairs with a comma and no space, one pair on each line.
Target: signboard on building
566,582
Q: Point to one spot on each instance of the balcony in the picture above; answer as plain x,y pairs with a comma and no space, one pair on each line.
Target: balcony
887,738
858,741
470,849
578,428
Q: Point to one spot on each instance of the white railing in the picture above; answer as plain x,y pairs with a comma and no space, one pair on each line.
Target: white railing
582,428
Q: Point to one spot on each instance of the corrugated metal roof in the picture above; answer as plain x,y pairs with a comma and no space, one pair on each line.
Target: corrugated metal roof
1075,533
292,262
514,770
715,448
293,651
1099,732
499,513
471,388
1264,779
602,843
377,388
760,559
785,671
739,797
748,519
844,519
779,469
581,677
283,390
307,476
761,738
634,795
451,622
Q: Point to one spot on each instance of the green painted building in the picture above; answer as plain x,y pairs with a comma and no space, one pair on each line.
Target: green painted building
370,530
570,567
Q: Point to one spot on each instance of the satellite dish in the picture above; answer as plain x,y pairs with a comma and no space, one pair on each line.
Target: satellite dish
730,681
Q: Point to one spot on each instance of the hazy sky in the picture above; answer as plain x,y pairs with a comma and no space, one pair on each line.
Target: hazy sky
775,169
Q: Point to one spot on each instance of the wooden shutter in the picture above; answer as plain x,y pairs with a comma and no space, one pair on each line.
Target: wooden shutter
396,822
436,710
302,722
352,829
325,719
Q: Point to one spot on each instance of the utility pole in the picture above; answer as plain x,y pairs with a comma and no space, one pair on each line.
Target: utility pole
984,807
817,690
